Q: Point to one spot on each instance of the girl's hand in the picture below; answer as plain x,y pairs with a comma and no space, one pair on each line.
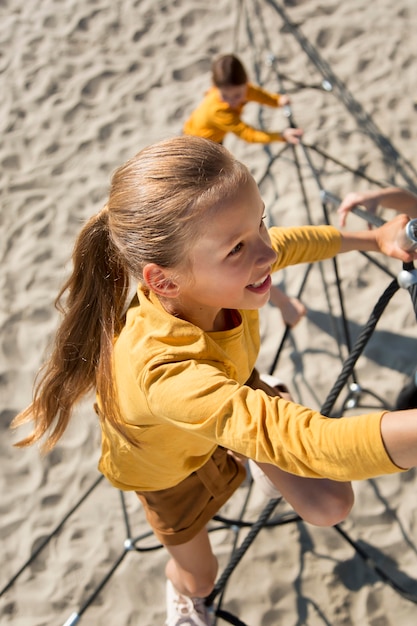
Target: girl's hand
389,239
354,199
292,135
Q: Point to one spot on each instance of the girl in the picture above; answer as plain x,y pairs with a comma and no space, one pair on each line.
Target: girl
175,379
220,111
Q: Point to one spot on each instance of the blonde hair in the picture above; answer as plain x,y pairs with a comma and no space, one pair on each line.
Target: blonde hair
157,206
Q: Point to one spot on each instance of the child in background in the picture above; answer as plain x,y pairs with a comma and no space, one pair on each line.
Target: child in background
220,113
402,201
177,389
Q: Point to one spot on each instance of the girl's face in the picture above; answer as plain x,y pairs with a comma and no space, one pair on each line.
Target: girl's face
230,262
233,95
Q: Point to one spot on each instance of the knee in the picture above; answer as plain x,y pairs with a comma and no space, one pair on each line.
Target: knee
332,510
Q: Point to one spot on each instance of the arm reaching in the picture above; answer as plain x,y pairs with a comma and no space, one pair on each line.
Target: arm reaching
392,197
284,100
292,135
385,239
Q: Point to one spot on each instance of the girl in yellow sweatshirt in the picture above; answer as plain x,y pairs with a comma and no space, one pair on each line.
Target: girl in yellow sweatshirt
174,368
221,110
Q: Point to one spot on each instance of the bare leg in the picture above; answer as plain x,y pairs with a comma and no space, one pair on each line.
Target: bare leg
192,568
321,502
292,309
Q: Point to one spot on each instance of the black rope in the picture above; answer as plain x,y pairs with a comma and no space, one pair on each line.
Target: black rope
238,555
229,617
236,527
74,618
356,171
409,267
47,539
359,346
352,105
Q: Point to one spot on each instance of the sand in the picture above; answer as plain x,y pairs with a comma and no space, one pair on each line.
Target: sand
84,86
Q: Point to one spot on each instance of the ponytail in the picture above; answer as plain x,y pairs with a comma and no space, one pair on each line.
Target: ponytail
81,358
157,205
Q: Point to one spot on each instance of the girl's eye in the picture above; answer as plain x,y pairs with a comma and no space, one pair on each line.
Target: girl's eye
236,249
263,220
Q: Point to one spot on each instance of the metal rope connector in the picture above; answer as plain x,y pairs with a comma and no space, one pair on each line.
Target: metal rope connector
407,278
327,196
128,545
270,59
355,392
408,239
74,618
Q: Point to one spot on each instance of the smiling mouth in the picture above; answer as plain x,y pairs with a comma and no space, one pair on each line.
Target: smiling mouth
259,283
261,287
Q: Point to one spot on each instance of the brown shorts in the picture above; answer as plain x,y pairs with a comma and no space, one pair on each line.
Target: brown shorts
177,514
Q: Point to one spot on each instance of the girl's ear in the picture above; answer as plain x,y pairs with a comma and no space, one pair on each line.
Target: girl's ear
160,280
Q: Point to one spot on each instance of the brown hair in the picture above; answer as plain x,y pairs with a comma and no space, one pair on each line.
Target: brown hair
228,71
157,204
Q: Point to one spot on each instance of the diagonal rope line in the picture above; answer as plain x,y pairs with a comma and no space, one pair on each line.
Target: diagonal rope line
236,558
44,543
359,346
353,106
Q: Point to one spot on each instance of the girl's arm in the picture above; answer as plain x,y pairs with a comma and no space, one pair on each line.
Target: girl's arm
399,199
383,239
391,198
399,434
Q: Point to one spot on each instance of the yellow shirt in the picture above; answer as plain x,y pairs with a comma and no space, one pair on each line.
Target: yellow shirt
214,118
181,392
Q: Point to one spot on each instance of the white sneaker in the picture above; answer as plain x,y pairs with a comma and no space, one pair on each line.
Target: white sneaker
272,381
185,611
265,485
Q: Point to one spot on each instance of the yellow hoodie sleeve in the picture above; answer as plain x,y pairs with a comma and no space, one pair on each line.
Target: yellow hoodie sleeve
214,118
304,244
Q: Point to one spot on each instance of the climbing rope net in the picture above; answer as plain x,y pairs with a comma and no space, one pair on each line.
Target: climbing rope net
310,166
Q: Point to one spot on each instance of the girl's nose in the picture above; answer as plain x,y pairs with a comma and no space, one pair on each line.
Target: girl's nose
266,255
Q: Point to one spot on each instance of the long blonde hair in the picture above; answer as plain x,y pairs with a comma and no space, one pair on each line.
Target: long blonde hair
157,204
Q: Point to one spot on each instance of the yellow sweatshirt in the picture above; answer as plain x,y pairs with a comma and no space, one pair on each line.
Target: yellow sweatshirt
214,118
182,394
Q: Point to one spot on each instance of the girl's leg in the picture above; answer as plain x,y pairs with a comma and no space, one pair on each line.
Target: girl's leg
292,309
192,568
191,573
321,502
